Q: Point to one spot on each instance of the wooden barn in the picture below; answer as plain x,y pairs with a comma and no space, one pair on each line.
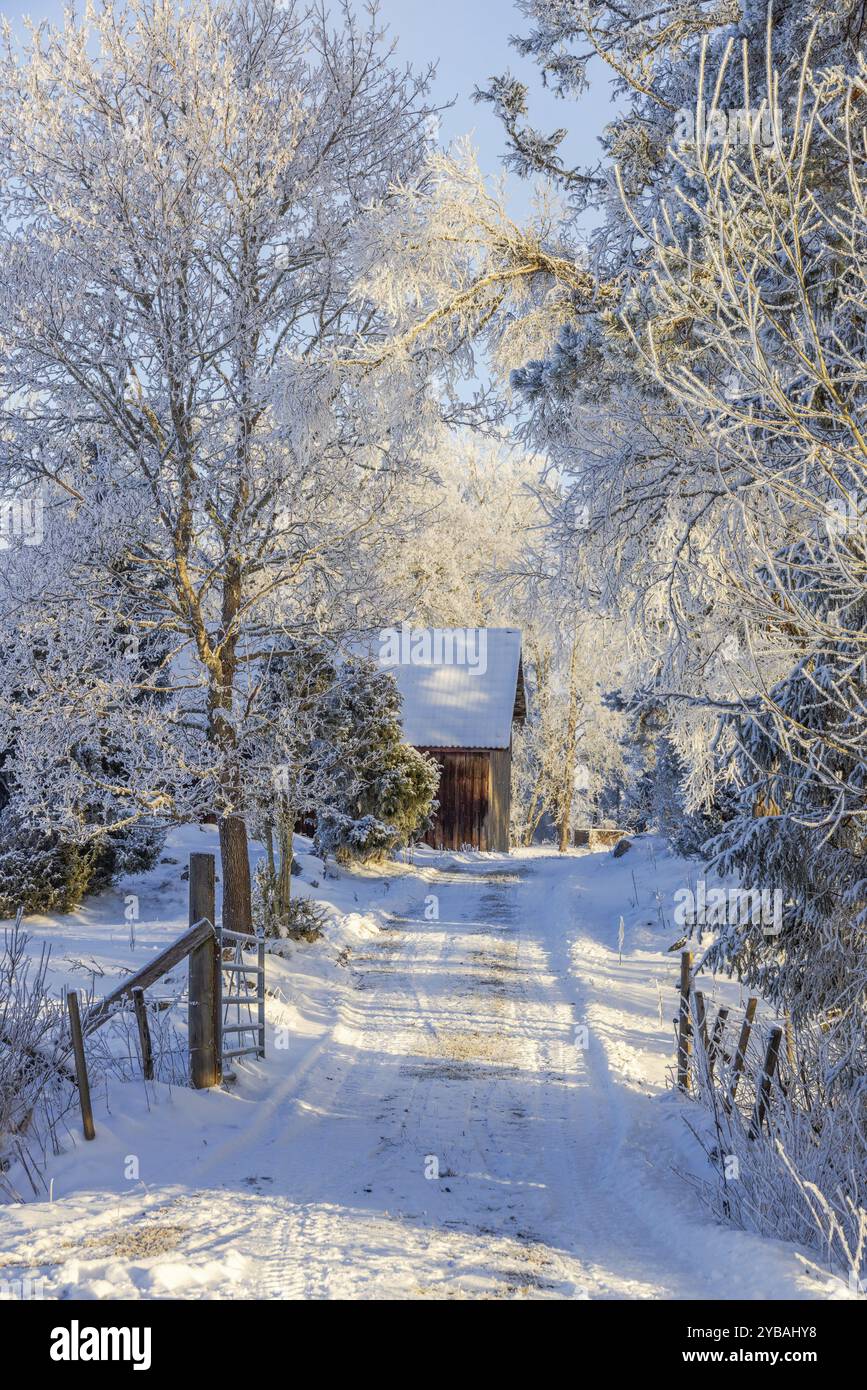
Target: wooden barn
462,714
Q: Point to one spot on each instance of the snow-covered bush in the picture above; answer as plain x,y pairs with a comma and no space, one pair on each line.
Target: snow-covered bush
43,870
382,794
817,967
132,850
661,795
277,912
348,836
35,1089
39,870
402,792
296,917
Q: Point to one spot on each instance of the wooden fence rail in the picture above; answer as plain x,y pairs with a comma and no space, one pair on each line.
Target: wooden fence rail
154,970
763,1090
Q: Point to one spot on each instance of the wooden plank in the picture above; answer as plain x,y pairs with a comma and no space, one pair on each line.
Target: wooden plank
741,1053
684,1026
80,1064
205,986
144,1033
461,811
160,965
485,775
763,1090
500,761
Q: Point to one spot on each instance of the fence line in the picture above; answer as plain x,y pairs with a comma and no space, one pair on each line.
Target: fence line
704,1058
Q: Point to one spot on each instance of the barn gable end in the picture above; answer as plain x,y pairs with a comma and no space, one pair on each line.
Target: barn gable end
463,717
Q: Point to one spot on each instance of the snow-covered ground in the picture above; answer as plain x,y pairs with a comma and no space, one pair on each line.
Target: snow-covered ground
434,1126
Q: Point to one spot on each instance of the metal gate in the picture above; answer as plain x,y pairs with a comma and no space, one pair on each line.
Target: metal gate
243,994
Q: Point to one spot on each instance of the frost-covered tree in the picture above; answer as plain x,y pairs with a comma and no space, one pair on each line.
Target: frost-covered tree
776,294
666,522
661,524
664,527
475,508
568,754
178,191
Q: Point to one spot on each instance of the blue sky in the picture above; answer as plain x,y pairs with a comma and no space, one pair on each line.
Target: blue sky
470,38
470,41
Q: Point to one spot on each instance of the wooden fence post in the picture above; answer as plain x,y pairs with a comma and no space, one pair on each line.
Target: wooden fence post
144,1033
700,1017
716,1038
741,1053
684,1027
80,1064
205,981
763,1090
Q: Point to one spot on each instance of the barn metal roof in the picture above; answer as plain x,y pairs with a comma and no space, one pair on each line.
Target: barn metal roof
449,703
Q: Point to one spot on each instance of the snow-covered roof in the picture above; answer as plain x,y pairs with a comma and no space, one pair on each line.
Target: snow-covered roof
460,687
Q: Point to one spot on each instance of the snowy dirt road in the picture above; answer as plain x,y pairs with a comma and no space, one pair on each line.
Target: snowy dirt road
481,1115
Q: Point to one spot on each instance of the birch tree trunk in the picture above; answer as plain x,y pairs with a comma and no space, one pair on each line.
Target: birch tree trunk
571,747
285,828
234,856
